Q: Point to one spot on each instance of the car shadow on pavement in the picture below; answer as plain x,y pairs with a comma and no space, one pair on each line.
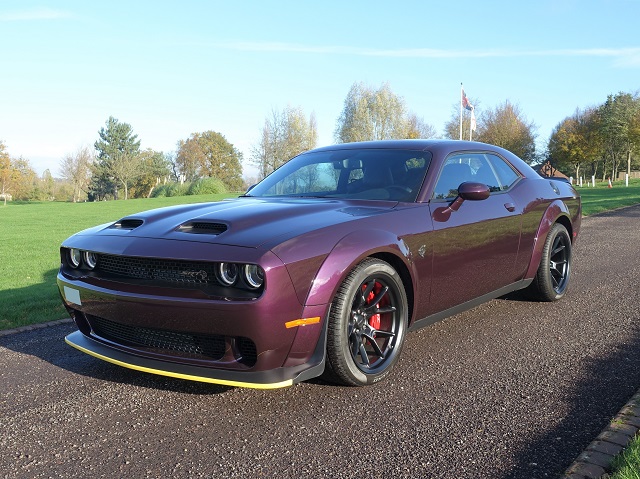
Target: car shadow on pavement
48,345
607,383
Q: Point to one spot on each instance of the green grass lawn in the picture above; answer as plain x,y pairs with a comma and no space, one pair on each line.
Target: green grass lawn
30,238
602,198
31,234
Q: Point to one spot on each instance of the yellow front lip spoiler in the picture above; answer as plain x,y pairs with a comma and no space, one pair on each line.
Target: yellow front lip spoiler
190,377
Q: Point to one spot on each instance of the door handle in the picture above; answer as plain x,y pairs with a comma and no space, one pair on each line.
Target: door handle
510,207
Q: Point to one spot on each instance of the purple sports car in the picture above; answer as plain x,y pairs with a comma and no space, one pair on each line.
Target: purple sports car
321,268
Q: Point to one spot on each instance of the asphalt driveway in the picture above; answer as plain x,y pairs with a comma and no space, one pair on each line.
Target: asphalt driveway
511,389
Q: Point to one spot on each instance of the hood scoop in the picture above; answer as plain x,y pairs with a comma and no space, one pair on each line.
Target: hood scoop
203,227
126,224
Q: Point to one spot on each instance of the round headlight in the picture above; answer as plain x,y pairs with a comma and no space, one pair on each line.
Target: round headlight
90,259
227,273
253,276
75,257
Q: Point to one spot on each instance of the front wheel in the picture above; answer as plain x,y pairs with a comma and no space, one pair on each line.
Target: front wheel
367,324
552,279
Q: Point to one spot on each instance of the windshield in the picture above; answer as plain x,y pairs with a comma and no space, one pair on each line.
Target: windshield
363,174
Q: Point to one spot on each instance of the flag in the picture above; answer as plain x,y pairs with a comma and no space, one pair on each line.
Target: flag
465,101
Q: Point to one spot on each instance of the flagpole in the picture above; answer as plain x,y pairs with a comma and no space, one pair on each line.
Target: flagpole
461,90
470,125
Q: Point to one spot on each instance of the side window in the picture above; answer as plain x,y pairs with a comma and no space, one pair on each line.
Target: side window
456,170
485,168
505,173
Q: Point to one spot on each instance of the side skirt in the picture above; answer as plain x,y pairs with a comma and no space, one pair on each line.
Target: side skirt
434,318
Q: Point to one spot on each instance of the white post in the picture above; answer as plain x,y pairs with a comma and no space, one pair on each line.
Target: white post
571,179
593,181
626,179
581,182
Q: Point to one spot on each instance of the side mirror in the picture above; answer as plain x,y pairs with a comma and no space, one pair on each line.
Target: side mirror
473,191
470,191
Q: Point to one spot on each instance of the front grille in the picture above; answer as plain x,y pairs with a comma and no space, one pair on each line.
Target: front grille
186,345
154,269
189,345
247,350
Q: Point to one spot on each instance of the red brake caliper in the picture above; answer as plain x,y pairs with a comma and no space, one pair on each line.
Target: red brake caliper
374,320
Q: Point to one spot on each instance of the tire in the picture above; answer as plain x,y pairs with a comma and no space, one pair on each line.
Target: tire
552,279
367,325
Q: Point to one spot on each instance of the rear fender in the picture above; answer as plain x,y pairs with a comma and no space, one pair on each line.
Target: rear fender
556,211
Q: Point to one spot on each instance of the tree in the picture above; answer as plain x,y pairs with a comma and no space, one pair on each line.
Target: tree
24,181
209,154
575,141
6,172
506,126
620,128
284,135
380,114
417,128
76,169
118,162
370,114
155,168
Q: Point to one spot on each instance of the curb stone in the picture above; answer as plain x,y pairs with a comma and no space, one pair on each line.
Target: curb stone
595,461
32,327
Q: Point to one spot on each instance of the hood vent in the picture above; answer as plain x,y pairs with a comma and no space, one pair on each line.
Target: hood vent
203,227
126,224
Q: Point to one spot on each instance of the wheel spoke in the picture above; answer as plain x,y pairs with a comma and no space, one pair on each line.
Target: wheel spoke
378,298
378,352
384,334
362,298
364,355
386,309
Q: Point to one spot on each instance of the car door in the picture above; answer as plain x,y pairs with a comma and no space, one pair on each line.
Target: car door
475,247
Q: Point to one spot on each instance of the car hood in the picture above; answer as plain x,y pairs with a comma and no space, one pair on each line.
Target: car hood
248,222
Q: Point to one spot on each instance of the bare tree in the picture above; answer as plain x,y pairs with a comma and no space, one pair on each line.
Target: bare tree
370,114
76,169
286,134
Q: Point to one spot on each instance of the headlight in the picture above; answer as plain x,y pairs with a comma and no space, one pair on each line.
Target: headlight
75,257
227,273
90,259
253,276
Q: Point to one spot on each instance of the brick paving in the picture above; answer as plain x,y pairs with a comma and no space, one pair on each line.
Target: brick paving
595,461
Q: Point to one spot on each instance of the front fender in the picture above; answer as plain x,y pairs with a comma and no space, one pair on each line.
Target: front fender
347,253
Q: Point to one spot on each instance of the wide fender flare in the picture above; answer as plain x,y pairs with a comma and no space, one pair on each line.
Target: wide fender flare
554,211
347,253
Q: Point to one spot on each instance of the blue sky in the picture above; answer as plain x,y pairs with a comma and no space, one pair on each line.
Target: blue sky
174,68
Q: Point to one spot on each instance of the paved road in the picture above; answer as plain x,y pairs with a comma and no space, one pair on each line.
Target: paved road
511,389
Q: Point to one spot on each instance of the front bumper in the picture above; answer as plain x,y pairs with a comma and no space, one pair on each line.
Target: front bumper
272,379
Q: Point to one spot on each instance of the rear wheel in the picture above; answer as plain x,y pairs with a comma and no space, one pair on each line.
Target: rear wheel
367,324
552,279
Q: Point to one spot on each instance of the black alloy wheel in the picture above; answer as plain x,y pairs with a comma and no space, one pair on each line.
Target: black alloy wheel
367,324
552,278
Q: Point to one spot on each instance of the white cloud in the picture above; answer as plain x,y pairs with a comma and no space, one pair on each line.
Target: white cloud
623,57
37,13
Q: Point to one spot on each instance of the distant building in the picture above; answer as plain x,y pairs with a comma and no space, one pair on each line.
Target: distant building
5,197
547,169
